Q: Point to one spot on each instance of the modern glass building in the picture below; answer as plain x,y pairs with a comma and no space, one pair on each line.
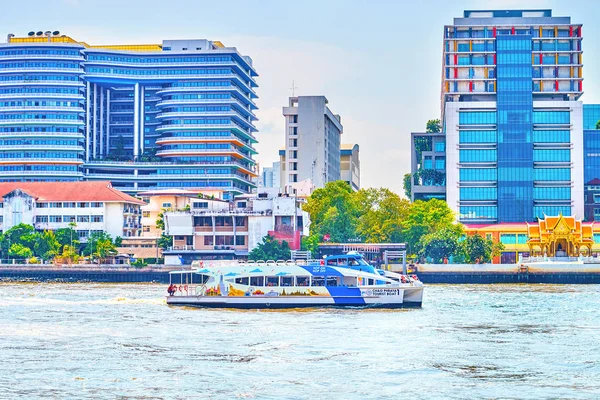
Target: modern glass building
511,116
174,115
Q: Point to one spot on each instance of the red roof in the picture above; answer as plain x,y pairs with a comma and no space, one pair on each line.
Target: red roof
100,191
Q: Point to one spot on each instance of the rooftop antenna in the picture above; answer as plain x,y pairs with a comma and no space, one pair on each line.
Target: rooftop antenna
294,87
9,36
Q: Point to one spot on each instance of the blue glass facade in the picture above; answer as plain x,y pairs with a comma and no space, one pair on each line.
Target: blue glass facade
515,145
135,116
510,109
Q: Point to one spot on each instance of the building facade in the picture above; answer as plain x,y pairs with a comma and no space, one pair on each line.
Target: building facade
591,143
428,166
312,141
271,176
174,115
350,165
90,206
513,124
212,229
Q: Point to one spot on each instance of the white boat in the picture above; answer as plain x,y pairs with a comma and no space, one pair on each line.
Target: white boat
337,281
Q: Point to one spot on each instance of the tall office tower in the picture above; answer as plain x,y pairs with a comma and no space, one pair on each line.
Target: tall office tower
513,123
312,141
174,115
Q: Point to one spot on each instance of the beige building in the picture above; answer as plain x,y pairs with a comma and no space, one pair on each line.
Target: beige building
350,165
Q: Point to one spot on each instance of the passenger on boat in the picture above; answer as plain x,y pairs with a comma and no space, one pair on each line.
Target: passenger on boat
171,290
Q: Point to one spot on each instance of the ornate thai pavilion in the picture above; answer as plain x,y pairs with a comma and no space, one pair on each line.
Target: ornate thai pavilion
560,236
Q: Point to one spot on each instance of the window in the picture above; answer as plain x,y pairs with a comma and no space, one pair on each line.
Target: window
240,221
240,240
241,204
83,205
146,228
97,205
146,214
69,218
477,118
208,240
69,205
257,281
272,281
201,204
97,218
55,218
41,218
166,205
83,218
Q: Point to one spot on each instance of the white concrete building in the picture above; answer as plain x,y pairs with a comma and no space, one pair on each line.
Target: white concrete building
91,206
312,141
271,176
213,229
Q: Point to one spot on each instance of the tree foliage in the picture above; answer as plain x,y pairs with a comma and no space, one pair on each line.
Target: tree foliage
479,249
270,249
18,250
407,185
92,243
598,125
333,211
443,243
67,236
423,218
381,214
433,126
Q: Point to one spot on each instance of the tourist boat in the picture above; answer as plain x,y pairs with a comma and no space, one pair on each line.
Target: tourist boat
336,281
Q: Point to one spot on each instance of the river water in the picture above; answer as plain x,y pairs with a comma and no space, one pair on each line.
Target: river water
470,341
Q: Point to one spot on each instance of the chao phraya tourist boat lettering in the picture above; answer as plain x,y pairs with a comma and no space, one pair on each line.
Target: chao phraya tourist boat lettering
336,281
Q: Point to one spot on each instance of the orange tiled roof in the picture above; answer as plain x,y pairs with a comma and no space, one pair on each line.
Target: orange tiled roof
100,191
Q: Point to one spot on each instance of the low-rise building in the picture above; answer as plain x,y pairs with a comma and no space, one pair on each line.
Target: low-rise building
212,229
350,165
90,206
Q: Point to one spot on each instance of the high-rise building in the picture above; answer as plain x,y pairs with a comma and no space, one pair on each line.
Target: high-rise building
174,115
513,124
350,165
312,141
270,175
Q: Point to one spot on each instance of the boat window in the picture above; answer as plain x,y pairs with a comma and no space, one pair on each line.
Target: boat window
332,262
371,282
272,281
200,278
332,282
242,281
303,280
353,262
342,261
257,281
287,281
318,281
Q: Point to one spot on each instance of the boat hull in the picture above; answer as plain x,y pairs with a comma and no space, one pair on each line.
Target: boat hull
282,302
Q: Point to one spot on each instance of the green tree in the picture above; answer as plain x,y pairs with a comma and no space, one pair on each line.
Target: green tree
21,234
104,248
69,255
46,245
598,125
333,210
118,241
442,243
67,236
164,242
18,250
92,242
381,214
270,249
478,248
407,184
433,126
422,218
311,243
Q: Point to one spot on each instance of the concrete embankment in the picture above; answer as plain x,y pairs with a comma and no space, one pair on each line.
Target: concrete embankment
91,273
560,273
572,273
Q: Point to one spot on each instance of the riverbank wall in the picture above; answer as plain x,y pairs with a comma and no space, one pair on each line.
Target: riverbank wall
428,273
